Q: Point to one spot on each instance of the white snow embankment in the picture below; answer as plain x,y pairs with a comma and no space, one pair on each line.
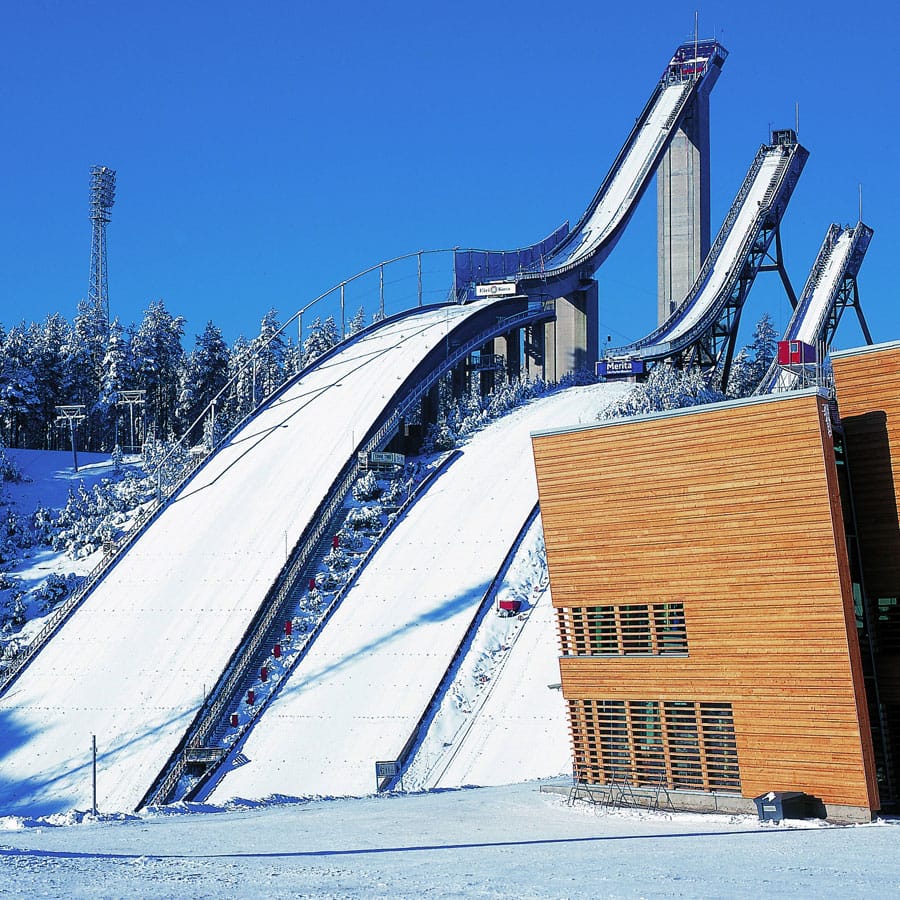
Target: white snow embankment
502,718
132,664
357,695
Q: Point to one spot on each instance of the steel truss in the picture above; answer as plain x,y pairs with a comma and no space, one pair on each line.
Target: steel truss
714,349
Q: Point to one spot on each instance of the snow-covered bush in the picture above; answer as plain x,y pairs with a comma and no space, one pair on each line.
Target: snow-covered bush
166,463
350,539
332,581
43,525
117,458
9,471
54,590
13,612
366,487
439,437
665,388
17,531
338,560
89,518
365,518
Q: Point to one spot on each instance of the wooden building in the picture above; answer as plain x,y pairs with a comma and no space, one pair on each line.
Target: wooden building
700,574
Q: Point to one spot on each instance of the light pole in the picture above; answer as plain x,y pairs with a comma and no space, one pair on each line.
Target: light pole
73,414
103,196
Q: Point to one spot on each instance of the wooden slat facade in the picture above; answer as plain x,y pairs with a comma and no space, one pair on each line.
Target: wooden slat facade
734,511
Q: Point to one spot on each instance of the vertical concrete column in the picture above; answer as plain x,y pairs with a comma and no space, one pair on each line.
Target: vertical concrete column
535,350
509,347
572,341
682,191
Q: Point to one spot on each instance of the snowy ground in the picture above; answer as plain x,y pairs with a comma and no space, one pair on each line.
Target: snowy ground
488,842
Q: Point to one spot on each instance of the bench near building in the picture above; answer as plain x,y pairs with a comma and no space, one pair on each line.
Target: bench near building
709,589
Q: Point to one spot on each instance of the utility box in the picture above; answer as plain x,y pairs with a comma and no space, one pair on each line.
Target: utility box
509,607
778,805
795,353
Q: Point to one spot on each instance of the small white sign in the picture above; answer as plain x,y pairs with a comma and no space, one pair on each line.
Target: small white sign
387,768
496,289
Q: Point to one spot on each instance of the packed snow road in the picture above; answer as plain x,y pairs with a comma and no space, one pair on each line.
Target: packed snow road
490,842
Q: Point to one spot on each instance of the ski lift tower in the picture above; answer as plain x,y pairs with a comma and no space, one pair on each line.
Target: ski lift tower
131,399
71,414
103,194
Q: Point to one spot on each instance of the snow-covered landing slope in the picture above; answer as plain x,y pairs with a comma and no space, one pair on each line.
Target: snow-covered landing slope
359,692
503,717
132,664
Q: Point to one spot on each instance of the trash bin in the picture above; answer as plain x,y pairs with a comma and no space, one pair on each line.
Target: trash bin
778,805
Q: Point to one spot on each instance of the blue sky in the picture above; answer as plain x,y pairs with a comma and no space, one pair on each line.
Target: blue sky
268,151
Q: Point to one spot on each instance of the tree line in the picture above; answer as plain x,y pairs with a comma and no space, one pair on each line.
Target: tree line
90,362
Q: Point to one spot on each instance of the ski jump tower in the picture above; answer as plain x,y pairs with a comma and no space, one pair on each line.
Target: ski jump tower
682,205
671,138
103,194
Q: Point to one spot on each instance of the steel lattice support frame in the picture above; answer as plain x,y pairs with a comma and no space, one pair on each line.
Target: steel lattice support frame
714,349
847,298
103,193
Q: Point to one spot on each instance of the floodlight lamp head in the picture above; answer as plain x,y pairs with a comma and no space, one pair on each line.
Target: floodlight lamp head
103,191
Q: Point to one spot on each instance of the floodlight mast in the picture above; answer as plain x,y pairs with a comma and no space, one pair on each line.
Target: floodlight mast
103,195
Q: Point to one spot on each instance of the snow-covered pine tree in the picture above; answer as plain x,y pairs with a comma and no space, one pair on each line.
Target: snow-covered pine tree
157,356
357,323
117,375
322,337
203,373
18,394
49,342
84,368
751,363
269,350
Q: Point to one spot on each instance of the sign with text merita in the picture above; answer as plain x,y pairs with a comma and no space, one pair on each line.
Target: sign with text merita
496,289
619,367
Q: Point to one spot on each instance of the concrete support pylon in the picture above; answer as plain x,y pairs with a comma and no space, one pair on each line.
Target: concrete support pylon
682,192
570,343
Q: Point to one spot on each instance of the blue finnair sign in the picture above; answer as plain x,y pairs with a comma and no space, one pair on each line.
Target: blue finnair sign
622,367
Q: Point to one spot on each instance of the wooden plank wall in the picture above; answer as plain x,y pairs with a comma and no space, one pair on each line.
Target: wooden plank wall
733,511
